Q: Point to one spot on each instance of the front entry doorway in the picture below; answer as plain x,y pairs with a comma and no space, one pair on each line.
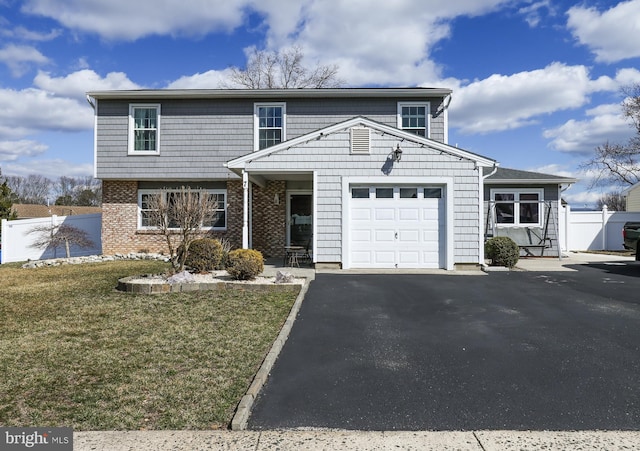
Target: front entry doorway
299,218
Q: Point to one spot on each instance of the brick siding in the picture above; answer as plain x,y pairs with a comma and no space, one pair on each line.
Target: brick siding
120,232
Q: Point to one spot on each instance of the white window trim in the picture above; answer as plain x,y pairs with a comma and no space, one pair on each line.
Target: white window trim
516,206
427,106
142,192
131,144
256,121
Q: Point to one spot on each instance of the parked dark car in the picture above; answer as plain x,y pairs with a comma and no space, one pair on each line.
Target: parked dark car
631,237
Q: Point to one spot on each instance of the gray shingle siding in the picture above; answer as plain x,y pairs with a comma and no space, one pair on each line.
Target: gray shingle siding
198,136
332,152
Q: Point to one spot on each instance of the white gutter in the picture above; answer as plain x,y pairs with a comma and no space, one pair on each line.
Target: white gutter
482,232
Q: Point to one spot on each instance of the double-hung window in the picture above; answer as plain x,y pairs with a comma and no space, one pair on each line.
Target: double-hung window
147,215
518,207
269,124
144,129
414,117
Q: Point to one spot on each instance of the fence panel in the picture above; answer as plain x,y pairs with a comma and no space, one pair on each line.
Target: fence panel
18,237
594,230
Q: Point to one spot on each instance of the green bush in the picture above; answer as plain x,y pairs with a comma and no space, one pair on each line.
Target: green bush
502,251
244,264
205,254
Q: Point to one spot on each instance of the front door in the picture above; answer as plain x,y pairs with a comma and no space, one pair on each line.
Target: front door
299,218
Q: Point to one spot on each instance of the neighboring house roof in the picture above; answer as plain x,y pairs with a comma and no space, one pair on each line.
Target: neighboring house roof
270,93
237,164
25,211
512,176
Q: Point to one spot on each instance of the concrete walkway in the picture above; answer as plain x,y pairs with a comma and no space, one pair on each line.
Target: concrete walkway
568,260
355,440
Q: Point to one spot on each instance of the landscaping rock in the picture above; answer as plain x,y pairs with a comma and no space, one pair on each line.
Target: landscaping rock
182,277
284,277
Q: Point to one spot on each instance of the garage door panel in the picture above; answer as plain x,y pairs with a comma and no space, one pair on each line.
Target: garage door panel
384,214
384,257
385,236
411,236
361,257
409,214
361,236
361,214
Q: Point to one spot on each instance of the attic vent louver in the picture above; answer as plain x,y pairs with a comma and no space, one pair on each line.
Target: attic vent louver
360,140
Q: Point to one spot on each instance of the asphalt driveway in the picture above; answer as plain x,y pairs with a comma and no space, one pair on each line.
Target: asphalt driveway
516,350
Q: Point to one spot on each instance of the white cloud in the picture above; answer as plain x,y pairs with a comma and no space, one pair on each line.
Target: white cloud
30,111
127,20
533,13
386,43
24,34
19,58
50,168
503,102
12,150
613,35
78,83
554,169
605,123
208,80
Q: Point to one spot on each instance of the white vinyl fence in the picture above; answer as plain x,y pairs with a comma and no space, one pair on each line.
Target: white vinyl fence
18,237
593,230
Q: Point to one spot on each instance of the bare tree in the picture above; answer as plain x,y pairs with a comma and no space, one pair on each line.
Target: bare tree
33,189
61,235
282,70
614,201
179,216
619,164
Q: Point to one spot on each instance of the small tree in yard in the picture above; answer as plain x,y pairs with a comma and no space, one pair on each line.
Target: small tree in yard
61,235
179,216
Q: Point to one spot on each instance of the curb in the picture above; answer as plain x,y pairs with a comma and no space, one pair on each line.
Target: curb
241,418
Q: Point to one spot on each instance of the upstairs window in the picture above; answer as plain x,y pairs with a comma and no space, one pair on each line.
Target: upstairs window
413,117
144,127
518,208
269,124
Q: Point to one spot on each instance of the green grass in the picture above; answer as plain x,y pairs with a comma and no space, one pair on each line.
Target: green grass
74,352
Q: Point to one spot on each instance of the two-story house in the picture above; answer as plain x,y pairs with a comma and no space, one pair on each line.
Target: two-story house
365,177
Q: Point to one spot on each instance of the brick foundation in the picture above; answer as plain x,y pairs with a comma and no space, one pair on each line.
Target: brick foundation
120,232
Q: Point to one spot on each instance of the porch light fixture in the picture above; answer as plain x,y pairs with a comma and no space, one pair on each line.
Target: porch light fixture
397,154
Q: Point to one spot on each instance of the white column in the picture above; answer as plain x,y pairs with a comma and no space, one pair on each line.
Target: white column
245,210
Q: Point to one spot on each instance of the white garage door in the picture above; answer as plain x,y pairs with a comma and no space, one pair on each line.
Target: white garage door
396,227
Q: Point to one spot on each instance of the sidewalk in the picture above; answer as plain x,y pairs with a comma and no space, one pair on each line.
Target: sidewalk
356,440
568,259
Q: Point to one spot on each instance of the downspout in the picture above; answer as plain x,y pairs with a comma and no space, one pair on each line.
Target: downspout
481,209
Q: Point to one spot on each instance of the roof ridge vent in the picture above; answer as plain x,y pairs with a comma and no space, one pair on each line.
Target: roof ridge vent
360,140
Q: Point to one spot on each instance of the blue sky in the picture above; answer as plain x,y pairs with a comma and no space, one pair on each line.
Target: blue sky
536,84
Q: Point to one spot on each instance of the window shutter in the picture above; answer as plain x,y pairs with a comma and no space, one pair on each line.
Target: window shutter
360,140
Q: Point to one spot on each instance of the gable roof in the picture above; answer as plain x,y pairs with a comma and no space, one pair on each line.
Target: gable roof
626,191
511,176
239,163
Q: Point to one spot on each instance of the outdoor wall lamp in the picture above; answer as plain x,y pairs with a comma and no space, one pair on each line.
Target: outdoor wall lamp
397,154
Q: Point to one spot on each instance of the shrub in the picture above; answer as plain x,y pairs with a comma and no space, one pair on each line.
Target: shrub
502,251
245,264
204,254
226,248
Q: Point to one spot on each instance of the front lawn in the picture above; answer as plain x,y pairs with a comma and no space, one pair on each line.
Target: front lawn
74,352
